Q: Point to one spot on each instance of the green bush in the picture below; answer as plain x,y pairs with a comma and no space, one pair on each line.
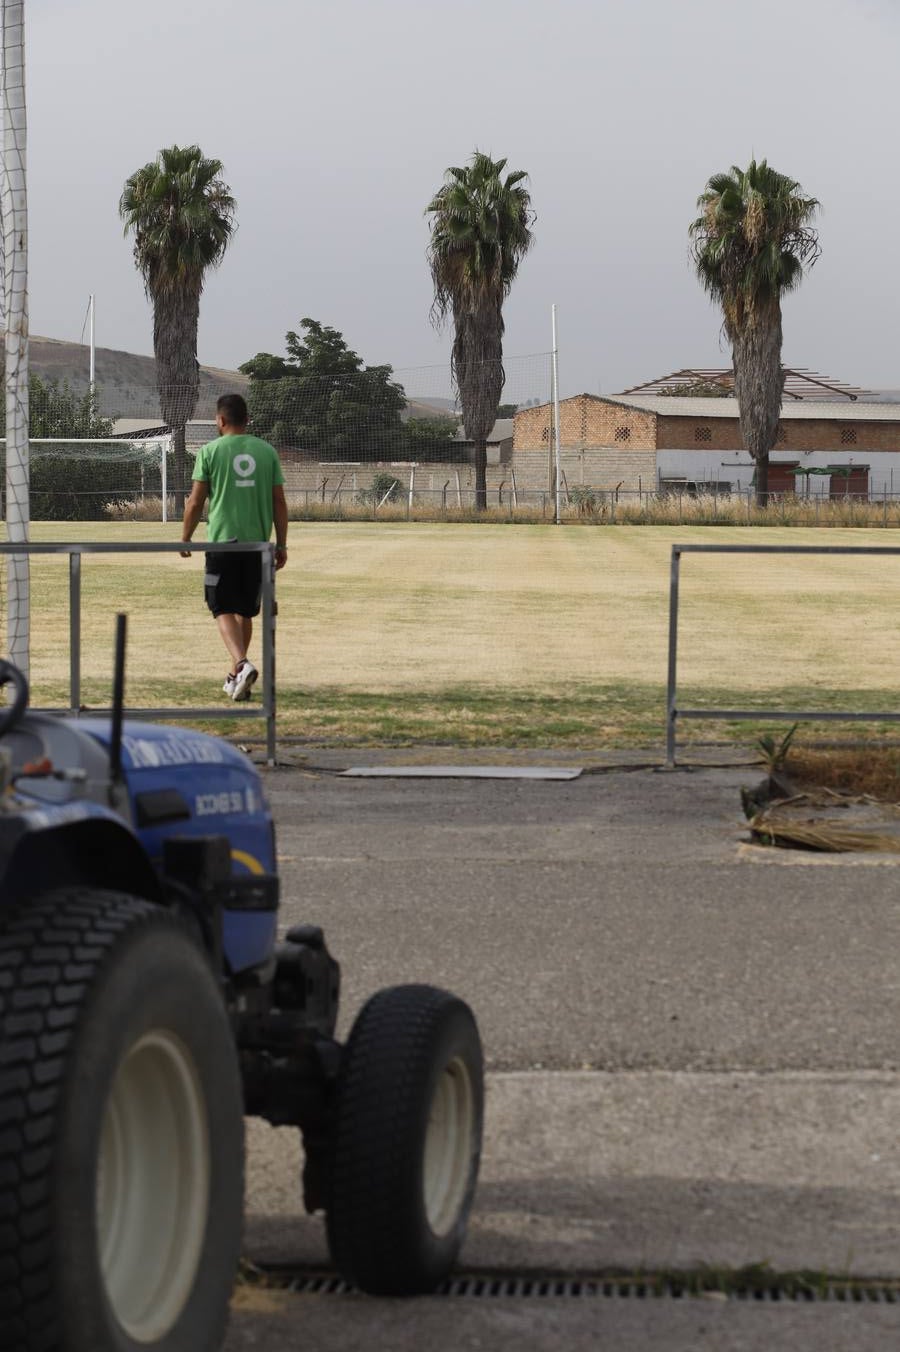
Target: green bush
587,501
385,488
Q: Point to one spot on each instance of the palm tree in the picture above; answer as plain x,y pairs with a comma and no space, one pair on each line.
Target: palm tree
480,231
182,217
750,244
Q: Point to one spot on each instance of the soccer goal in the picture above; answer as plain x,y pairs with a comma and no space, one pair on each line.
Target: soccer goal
99,479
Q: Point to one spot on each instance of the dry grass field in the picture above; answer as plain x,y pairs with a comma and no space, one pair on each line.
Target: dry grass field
414,632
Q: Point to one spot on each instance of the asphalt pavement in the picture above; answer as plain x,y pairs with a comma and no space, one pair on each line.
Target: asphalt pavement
692,1047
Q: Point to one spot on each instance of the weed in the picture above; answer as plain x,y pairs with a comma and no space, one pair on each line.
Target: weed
775,752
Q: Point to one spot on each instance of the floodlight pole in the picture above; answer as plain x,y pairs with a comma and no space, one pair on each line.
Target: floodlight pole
554,366
91,336
14,211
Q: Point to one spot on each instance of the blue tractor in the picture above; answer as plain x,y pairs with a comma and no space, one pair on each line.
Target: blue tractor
147,1006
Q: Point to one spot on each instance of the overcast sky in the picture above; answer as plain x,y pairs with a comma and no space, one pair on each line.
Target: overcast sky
335,123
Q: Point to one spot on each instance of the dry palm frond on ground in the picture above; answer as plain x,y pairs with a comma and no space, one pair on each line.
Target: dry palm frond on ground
825,819
768,828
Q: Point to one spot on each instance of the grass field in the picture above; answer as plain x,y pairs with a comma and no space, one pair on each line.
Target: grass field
479,634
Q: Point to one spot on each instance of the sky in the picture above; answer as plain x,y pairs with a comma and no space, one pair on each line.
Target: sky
335,123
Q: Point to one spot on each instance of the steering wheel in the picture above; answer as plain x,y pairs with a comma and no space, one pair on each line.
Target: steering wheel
10,716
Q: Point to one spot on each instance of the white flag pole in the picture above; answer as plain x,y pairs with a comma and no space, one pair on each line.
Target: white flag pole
555,367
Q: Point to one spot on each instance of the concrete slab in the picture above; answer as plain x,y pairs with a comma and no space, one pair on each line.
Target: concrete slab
652,1170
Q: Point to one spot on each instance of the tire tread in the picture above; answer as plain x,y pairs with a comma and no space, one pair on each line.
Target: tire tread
50,953
376,1182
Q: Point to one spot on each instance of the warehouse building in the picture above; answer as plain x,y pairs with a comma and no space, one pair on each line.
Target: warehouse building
840,441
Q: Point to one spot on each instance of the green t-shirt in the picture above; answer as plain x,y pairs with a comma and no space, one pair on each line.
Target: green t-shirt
241,472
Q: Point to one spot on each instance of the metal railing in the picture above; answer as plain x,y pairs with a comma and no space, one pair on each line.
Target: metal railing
266,710
673,712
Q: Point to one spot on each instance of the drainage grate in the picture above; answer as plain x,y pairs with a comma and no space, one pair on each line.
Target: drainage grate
751,1285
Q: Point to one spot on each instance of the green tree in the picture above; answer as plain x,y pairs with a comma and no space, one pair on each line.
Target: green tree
698,389
480,231
181,214
56,410
431,439
750,244
321,398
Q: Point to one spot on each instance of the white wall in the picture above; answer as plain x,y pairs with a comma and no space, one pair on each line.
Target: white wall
736,468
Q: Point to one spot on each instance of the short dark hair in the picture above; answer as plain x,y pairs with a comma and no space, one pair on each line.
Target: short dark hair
233,408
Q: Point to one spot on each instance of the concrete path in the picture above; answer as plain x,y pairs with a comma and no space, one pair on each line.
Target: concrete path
693,1048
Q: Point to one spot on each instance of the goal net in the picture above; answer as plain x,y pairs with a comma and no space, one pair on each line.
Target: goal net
98,479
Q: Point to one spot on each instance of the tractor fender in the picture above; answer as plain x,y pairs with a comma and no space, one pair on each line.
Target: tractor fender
43,850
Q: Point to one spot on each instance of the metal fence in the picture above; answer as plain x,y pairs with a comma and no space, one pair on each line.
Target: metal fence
75,552
674,712
141,493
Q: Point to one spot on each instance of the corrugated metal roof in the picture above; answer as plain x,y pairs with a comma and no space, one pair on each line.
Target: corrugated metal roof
136,427
799,383
793,410
501,431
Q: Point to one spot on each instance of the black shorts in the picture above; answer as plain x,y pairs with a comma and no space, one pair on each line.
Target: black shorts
233,584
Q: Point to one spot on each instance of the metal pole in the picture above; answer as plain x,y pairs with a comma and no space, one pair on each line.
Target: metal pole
555,370
91,331
74,632
118,707
671,696
164,477
269,611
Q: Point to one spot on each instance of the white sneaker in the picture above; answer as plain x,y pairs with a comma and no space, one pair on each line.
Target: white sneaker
228,687
244,679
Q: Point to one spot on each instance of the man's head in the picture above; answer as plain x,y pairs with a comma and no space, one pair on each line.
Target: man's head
231,413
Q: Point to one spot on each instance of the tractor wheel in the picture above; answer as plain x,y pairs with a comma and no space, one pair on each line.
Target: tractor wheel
121,1131
407,1141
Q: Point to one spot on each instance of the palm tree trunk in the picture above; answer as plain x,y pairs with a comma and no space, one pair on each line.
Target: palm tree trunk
758,385
480,475
762,481
175,320
179,457
479,375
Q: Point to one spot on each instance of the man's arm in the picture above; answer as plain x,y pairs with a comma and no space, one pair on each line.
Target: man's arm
193,510
280,515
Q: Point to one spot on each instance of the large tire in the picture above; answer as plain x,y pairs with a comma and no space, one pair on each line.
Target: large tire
407,1141
121,1131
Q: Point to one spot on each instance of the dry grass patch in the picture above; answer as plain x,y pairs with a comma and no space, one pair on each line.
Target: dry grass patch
871,772
598,507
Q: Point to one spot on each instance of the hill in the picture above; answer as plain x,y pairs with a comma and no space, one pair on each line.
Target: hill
126,382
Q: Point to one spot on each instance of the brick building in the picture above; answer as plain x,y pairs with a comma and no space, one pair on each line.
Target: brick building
652,441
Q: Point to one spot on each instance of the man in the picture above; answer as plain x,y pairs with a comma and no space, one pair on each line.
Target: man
242,478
